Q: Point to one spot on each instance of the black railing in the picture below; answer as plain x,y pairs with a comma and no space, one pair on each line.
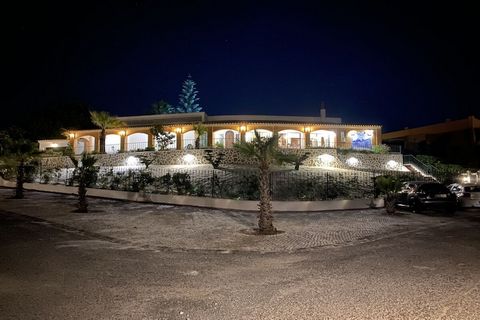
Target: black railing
303,185
424,168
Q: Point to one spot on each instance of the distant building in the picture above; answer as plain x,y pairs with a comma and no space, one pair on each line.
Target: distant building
294,132
456,141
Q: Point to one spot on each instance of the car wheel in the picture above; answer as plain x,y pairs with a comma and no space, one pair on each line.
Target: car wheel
450,211
417,207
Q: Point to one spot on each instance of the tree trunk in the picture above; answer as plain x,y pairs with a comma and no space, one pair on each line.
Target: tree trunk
82,198
197,143
102,141
390,204
265,218
20,180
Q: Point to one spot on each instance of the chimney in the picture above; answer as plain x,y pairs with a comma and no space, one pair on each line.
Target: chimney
323,111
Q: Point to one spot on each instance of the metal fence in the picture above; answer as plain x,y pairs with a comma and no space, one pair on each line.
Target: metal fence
242,184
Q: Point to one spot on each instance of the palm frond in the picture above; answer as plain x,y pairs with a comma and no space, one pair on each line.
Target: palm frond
104,120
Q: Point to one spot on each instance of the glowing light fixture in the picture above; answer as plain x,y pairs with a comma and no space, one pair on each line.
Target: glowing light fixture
368,133
71,135
54,145
243,128
466,179
353,162
122,133
178,130
326,159
391,165
132,161
307,129
189,159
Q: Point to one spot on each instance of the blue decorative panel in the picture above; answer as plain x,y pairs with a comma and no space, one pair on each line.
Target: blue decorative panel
362,141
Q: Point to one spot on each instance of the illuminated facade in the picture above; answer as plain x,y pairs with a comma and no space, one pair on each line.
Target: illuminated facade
294,132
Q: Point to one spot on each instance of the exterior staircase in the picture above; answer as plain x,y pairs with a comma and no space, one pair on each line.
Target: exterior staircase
414,165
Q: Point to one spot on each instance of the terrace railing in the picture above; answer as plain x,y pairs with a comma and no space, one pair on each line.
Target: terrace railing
423,168
137,146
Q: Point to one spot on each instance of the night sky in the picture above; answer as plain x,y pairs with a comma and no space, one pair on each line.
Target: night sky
392,63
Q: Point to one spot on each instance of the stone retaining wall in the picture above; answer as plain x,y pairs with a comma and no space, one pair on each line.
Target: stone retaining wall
317,158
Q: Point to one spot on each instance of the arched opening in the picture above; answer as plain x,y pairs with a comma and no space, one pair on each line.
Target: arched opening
323,139
290,139
189,140
249,135
112,143
85,144
137,141
361,140
225,138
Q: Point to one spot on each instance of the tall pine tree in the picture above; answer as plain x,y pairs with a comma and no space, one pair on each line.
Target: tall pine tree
188,97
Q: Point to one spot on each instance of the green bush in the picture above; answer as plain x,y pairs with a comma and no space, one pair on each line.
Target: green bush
182,183
380,149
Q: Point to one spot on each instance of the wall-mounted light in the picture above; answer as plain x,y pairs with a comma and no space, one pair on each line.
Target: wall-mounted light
352,134
392,165
352,162
122,133
307,129
189,159
326,159
71,135
132,161
243,128
178,130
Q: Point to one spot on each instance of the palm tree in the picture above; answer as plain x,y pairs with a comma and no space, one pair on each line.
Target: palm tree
389,187
104,121
200,130
265,151
18,158
85,174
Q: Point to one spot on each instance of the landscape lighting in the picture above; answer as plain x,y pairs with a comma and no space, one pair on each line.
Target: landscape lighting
189,159
391,165
326,159
352,162
132,161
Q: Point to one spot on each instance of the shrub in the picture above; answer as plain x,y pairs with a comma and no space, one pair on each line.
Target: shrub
380,149
182,183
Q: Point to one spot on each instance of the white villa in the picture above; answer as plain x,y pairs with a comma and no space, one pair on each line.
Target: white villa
295,132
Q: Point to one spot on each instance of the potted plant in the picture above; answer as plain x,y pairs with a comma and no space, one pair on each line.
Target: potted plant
388,186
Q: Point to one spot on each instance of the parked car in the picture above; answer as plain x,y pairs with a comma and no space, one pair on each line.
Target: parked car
468,195
421,195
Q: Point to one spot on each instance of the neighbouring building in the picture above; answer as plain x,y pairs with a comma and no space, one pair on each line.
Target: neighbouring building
454,141
295,132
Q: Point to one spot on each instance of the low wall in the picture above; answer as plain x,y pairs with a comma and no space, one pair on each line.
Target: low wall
228,204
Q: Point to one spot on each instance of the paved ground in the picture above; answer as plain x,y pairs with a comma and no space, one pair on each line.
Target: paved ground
189,228
423,271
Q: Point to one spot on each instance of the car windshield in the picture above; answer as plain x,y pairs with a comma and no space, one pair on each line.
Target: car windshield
433,188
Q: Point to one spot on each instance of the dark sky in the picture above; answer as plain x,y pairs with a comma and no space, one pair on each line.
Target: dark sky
393,63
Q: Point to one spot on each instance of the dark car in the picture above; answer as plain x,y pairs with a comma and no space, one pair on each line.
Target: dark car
420,195
468,195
